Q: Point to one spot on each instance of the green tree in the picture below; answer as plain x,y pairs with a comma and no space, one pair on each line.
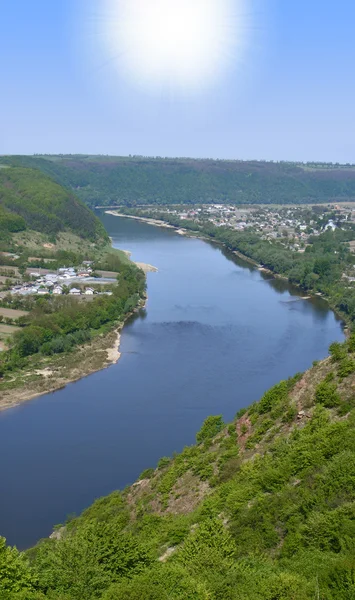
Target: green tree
15,574
210,428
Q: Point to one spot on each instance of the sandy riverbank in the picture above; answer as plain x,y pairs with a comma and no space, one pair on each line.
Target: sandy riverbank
113,353
155,222
55,374
50,375
146,267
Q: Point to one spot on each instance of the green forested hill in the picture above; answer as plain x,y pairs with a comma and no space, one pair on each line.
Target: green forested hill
31,200
260,509
103,180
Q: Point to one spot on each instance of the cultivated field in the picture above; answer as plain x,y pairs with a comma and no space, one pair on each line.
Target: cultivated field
13,314
108,274
7,329
38,270
4,269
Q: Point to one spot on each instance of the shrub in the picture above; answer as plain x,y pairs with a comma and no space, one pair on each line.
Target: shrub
164,462
241,413
15,574
346,367
229,469
210,428
290,414
210,535
327,395
160,583
272,397
253,418
231,429
337,351
147,474
345,408
203,465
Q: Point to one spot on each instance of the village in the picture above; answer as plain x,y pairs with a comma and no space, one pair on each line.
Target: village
291,225
65,280
19,290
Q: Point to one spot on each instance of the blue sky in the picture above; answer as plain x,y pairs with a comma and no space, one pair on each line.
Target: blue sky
293,98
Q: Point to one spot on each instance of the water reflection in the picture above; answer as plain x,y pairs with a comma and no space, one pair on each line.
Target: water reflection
213,337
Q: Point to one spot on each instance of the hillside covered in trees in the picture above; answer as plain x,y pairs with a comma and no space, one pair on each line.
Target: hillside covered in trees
31,200
104,180
260,509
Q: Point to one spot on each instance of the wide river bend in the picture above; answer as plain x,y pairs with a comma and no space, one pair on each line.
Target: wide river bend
216,333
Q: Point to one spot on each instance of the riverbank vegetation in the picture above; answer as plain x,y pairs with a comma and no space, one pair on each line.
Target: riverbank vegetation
45,227
261,508
325,266
137,180
56,325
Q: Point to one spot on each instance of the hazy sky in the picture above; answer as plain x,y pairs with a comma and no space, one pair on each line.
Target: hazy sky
290,93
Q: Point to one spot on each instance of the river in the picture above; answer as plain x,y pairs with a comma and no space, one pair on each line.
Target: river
216,333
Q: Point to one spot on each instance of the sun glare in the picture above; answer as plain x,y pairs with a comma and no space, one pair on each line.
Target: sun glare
173,44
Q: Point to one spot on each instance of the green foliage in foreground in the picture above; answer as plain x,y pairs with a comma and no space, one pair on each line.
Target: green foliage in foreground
272,520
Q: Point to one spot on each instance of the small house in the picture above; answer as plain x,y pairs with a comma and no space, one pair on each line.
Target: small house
75,292
330,225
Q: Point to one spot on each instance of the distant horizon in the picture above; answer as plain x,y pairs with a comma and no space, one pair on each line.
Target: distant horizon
167,157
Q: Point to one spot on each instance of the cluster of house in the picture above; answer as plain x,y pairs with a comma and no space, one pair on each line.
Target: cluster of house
270,222
53,283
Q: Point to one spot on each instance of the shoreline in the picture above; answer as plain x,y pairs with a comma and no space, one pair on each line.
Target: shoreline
20,396
99,354
155,222
188,233
47,377
104,351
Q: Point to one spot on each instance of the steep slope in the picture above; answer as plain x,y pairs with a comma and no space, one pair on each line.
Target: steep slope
104,180
31,200
261,509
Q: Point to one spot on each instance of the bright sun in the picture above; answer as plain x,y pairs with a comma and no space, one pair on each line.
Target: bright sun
174,44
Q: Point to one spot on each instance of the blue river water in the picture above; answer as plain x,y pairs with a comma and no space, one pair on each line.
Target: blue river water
215,334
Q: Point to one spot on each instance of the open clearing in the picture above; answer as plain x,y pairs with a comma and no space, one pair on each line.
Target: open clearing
12,313
4,269
7,329
38,270
107,274
33,258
